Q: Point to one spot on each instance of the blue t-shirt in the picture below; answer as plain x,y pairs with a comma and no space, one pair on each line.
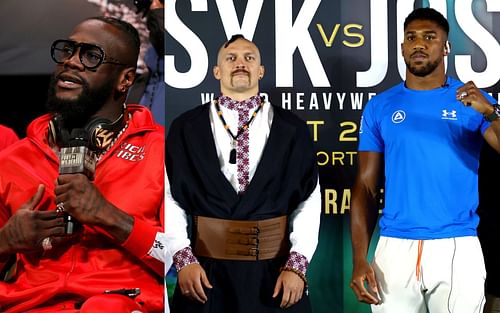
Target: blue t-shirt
431,144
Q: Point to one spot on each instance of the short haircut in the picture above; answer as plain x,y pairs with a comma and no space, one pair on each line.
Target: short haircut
133,41
428,14
233,39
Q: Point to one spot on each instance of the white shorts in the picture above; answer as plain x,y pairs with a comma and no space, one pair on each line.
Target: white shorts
450,272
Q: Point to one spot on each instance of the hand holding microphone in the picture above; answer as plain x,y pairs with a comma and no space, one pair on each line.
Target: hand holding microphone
79,199
74,158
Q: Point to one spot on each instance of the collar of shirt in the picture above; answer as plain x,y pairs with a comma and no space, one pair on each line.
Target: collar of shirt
258,134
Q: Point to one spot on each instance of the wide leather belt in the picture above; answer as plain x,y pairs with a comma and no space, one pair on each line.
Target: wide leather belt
240,240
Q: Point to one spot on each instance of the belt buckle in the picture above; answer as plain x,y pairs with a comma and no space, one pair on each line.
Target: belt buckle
254,252
255,230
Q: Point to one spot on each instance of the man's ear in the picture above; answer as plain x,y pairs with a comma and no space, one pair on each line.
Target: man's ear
447,47
262,71
127,79
216,71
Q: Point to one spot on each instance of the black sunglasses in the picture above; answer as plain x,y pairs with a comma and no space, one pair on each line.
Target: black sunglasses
91,56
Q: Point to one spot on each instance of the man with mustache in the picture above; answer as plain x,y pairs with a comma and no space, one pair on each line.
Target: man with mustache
425,135
244,173
105,262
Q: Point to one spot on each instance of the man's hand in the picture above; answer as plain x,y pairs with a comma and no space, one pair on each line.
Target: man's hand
83,201
292,286
79,197
27,228
191,279
470,95
364,273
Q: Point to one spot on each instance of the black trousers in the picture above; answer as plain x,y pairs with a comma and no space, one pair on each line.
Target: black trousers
239,287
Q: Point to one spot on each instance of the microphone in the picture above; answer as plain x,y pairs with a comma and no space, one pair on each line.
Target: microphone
76,157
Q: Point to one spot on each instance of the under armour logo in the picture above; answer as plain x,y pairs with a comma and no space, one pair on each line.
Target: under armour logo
398,116
452,115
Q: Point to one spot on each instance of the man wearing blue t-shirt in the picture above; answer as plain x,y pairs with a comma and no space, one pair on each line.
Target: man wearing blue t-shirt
425,135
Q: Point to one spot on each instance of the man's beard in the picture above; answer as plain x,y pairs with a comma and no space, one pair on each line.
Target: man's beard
422,71
77,112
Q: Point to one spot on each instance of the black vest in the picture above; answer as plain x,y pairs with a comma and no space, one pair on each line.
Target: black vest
285,176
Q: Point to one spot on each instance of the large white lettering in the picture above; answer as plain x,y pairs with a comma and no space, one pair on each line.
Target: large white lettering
291,36
488,44
193,45
230,18
379,46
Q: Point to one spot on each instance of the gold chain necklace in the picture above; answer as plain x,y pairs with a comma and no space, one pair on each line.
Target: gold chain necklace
114,139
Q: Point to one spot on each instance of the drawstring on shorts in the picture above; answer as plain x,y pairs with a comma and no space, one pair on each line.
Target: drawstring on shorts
419,258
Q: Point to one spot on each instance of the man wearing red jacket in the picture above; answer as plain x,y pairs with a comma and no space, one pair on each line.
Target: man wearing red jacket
105,263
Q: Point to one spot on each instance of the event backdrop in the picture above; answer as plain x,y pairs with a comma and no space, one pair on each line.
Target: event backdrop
324,60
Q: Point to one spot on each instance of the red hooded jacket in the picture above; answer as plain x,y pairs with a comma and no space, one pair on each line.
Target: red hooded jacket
130,176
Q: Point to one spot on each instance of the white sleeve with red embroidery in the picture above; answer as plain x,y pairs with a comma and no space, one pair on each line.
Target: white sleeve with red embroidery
304,224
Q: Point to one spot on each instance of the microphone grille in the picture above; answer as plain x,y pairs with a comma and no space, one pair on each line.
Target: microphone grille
78,137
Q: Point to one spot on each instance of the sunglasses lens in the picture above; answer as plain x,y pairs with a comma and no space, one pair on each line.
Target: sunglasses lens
91,56
62,50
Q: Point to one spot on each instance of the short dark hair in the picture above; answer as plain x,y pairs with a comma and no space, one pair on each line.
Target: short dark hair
428,14
233,39
132,35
